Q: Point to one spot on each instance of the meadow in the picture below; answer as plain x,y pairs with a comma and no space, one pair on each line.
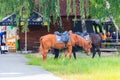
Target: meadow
84,68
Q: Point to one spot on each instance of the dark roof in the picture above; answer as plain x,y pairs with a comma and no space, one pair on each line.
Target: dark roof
34,19
9,20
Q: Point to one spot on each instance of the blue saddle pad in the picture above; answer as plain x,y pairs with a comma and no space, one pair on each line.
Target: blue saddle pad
62,37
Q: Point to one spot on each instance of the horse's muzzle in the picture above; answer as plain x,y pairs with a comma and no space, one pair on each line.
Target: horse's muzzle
88,53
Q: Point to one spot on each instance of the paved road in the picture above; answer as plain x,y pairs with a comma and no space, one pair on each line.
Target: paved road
13,67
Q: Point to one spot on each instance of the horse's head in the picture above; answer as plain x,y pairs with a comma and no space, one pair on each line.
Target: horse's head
85,44
88,47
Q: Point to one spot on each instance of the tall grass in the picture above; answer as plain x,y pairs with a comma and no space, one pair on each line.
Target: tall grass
84,68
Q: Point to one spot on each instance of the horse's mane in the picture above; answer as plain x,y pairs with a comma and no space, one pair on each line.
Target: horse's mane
84,43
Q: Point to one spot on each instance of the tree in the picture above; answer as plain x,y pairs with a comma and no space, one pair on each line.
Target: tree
22,9
99,9
48,8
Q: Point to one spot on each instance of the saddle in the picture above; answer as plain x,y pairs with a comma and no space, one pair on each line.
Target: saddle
62,37
84,35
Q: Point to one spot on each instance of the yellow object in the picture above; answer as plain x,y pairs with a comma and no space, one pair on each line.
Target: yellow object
104,37
11,46
10,42
13,37
45,23
25,15
22,23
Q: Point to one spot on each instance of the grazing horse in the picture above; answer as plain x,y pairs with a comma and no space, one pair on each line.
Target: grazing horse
82,43
49,41
96,42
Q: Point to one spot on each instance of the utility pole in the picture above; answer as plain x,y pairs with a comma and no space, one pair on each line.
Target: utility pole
26,41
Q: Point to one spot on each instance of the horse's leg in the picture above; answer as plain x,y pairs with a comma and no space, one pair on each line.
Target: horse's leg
94,52
65,53
70,52
56,52
74,52
45,55
99,52
40,51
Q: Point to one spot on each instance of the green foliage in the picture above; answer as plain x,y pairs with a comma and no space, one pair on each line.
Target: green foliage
74,9
48,8
87,8
68,10
16,6
98,9
81,4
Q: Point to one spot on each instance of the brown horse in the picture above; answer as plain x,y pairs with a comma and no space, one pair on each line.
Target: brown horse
96,44
49,41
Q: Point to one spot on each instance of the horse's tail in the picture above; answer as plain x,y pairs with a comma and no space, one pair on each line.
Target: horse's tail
41,45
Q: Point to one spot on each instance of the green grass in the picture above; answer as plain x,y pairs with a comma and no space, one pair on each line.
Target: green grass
84,68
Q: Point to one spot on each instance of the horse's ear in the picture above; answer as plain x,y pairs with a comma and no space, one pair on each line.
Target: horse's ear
70,31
